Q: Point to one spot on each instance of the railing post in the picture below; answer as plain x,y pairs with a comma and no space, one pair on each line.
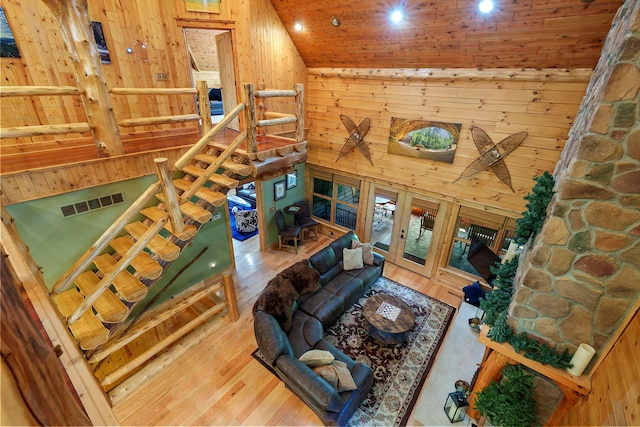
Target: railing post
170,196
250,115
205,107
230,297
299,137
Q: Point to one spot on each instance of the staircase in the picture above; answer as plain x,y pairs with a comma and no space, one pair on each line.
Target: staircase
97,294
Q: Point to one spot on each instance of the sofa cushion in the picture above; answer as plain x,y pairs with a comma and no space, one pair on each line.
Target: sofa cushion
324,306
342,242
368,274
313,358
271,339
367,251
306,331
324,260
346,286
337,374
352,259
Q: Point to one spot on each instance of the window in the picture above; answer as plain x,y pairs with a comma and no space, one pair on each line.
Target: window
494,230
335,198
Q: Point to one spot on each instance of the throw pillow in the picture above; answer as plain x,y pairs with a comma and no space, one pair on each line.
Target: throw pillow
338,375
313,358
352,259
246,221
367,251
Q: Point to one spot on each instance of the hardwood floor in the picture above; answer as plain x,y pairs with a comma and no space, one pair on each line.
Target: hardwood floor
214,380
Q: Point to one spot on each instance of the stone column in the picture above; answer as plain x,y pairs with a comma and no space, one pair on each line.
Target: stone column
580,277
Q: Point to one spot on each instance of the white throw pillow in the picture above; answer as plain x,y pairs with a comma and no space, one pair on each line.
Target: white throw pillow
352,259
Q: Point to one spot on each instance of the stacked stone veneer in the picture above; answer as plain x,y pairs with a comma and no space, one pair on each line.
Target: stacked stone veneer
580,277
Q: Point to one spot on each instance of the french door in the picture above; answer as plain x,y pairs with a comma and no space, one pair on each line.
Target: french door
405,227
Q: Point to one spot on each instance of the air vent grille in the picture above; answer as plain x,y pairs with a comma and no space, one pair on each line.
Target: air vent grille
92,204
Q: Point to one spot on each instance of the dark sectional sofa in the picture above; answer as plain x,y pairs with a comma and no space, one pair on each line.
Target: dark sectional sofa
290,322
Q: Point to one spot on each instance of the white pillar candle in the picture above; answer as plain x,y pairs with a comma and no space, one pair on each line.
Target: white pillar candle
581,359
511,252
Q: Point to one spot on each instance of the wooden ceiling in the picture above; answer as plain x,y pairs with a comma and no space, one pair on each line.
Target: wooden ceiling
449,33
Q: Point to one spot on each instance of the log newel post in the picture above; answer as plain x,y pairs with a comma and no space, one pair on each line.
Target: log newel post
250,115
205,107
230,297
170,196
299,112
73,17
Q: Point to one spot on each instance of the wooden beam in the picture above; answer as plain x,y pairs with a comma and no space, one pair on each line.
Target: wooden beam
170,195
299,136
466,74
27,131
274,93
153,90
38,90
73,17
250,116
205,107
146,121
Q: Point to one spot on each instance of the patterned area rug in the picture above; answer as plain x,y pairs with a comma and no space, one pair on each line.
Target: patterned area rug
399,371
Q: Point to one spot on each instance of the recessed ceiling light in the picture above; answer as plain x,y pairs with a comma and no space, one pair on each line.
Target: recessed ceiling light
396,16
486,6
297,26
335,21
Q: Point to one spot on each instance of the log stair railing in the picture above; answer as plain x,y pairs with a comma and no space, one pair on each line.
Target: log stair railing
97,294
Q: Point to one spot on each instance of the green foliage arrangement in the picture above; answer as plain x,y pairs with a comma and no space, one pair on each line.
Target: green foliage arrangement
533,218
510,402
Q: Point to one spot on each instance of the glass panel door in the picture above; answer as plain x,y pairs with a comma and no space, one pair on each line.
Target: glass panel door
384,209
419,230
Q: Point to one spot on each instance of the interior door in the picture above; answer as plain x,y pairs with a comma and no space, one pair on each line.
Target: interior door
405,227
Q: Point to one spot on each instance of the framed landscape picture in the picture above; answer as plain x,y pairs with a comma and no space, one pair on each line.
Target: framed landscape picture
279,190
212,6
292,179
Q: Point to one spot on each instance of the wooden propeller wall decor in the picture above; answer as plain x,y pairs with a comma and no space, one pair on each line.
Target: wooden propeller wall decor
492,155
356,138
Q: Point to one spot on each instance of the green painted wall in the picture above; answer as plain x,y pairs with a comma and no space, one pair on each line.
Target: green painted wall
293,195
56,242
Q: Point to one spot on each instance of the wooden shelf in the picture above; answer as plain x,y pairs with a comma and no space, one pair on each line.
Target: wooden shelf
580,385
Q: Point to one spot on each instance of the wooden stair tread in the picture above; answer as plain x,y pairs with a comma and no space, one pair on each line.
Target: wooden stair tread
191,210
155,214
221,180
213,197
144,265
237,168
127,287
109,308
158,245
88,329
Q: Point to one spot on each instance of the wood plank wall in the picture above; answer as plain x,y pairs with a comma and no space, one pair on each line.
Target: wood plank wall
615,386
501,107
263,52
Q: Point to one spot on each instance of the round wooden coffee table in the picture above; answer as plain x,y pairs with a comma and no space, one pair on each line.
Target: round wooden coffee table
389,318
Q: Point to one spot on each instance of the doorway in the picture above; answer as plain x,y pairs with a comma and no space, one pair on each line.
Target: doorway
210,53
405,227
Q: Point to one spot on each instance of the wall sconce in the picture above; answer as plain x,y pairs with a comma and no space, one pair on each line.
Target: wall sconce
335,21
456,406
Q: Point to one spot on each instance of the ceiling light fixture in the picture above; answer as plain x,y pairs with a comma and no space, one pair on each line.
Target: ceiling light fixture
335,21
396,16
485,6
297,26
